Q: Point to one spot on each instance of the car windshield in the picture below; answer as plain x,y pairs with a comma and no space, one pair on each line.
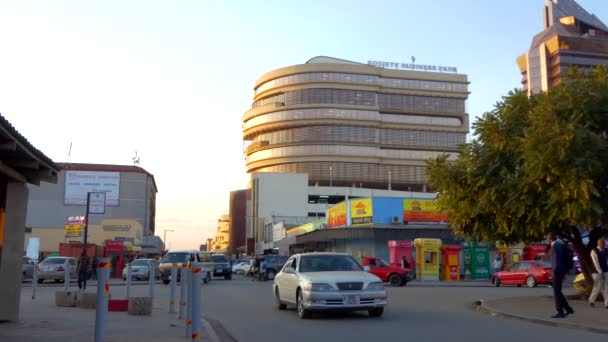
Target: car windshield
53,261
219,258
140,263
328,263
176,257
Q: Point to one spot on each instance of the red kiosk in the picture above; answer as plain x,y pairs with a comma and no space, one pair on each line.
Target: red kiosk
451,262
115,250
533,252
399,249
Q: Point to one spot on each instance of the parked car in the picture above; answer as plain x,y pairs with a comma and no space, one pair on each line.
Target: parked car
240,267
275,264
53,268
397,276
328,281
182,257
140,269
529,273
27,269
221,266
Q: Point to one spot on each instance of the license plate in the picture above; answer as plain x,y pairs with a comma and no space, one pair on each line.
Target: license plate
220,271
169,277
351,300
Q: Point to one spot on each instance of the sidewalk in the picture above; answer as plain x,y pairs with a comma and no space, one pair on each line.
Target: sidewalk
41,320
540,309
459,283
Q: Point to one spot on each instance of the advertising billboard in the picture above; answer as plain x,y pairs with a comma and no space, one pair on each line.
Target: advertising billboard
422,210
74,226
79,183
361,212
336,216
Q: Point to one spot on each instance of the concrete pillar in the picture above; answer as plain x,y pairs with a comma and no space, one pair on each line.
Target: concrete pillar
12,251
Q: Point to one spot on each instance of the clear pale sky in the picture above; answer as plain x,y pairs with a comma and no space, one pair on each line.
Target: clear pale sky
172,79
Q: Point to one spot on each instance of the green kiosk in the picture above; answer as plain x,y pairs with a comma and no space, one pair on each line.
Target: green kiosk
476,257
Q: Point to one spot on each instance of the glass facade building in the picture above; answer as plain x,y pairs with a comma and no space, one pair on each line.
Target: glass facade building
351,124
572,37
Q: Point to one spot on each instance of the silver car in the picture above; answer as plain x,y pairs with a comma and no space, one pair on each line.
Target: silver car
140,269
53,268
27,268
328,281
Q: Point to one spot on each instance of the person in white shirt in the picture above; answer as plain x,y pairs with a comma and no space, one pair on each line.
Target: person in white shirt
497,264
599,257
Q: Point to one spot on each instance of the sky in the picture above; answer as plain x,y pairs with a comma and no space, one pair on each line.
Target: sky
172,79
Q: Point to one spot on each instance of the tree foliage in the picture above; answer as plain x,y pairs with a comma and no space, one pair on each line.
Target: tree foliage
537,164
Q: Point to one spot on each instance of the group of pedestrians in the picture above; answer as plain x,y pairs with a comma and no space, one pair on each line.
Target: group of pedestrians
561,260
259,270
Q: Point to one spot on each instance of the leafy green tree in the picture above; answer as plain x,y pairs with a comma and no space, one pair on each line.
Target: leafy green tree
537,164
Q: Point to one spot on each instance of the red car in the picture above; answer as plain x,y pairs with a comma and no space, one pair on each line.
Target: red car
529,273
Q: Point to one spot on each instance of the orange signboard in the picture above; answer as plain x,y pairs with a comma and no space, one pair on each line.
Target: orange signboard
336,216
422,210
361,211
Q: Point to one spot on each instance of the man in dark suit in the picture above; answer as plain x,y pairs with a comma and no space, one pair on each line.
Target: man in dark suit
560,268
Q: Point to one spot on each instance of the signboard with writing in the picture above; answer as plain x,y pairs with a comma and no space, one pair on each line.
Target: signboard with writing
97,203
413,66
79,183
336,216
74,226
422,210
361,212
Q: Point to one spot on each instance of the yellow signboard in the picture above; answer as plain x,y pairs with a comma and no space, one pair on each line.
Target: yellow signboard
74,226
361,212
336,216
422,210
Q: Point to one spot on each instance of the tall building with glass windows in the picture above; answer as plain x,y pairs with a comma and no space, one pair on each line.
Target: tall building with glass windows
571,37
349,124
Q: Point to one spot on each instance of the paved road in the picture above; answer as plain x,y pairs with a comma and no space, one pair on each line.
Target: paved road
246,310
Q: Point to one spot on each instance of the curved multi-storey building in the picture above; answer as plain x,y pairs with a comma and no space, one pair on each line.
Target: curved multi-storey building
351,124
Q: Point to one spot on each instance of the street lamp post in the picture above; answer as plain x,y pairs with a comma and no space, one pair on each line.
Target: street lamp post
330,176
165,237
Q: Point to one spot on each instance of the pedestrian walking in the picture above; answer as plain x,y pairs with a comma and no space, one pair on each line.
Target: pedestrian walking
83,269
255,269
599,255
560,266
497,264
264,273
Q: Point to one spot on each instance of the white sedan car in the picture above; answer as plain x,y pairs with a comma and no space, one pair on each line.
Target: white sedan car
328,281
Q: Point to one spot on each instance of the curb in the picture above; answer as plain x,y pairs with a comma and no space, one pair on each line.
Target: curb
483,307
211,334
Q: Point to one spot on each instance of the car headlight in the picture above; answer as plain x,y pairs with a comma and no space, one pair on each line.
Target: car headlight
375,286
318,287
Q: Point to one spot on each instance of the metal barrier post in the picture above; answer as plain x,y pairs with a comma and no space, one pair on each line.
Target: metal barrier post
182,293
66,274
173,288
152,279
189,302
129,277
196,303
103,292
35,281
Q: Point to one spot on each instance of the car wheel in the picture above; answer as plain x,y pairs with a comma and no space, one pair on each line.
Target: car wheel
302,312
497,281
280,305
530,281
270,274
40,281
238,272
377,312
124,278
166,281
395,280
